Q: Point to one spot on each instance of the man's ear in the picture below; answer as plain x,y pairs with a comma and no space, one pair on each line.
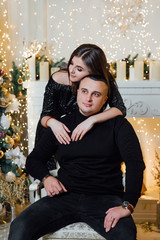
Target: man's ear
105,100
105,103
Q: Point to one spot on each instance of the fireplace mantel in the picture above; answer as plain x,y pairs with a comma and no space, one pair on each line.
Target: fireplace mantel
141,99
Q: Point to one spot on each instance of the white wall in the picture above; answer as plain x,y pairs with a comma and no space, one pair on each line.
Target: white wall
65,24
74,22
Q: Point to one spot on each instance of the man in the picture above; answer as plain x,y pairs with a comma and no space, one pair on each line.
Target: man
89,183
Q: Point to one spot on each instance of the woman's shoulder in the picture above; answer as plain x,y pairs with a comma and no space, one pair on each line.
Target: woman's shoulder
61,77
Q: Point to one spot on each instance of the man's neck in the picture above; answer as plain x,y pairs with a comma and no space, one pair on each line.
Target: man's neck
85,114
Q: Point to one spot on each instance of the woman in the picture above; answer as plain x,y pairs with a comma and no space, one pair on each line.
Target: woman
60,94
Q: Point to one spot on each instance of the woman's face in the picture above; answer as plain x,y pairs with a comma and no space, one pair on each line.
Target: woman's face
77,69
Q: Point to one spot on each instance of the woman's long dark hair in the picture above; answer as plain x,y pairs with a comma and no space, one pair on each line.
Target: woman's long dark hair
95,60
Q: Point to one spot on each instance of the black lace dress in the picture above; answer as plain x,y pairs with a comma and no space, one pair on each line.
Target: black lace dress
59,100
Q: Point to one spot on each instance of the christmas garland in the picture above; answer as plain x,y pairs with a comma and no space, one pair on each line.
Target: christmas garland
11,91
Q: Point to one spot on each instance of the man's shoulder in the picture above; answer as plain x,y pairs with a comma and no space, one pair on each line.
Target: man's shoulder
122,125
116,120
121,120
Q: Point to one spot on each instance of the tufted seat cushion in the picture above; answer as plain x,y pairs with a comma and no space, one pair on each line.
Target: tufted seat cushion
74,231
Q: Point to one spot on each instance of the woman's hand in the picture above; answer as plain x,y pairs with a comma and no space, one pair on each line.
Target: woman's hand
82,129
113,215
60,131
53,186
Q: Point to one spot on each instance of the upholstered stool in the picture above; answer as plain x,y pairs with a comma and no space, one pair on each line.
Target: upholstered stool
74,231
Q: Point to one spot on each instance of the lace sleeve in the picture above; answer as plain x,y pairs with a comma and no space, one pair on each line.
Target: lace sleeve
115,99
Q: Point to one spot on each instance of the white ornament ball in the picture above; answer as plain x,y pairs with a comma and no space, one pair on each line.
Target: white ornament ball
10,176
5,121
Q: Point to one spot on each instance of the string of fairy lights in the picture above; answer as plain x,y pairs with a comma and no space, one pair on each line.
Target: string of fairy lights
5,53
120,27
148,132
4,37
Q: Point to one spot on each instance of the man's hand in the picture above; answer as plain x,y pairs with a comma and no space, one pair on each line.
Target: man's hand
53,186
82,129
113,215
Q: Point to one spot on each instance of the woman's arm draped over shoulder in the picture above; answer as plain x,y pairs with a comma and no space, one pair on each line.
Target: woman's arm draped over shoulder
115,99
58,100
58,97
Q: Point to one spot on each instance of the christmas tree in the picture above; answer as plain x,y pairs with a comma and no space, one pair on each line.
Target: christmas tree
13,179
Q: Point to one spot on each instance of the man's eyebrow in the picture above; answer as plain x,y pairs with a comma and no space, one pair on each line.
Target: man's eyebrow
97,92
84,88
92,92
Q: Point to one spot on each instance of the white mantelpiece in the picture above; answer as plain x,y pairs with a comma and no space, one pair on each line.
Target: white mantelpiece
141,99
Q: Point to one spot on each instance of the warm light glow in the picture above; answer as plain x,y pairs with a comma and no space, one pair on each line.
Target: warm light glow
150,142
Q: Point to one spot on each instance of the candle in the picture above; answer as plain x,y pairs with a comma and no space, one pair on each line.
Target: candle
44,71
54,69
138,70
32,68
131,73
154,70
121,70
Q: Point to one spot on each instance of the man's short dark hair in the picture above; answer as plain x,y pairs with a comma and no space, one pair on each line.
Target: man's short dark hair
96,78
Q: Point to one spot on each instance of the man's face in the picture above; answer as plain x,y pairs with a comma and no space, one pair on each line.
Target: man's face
91,96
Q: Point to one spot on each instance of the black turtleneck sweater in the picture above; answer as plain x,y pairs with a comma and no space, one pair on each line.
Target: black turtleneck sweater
93,165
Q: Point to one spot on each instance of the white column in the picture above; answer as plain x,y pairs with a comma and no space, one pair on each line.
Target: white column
37,21
32,68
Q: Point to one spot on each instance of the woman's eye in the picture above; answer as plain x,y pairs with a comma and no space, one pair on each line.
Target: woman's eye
79,69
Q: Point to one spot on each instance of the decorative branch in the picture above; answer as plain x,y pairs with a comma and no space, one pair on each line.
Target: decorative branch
14,190
156,171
